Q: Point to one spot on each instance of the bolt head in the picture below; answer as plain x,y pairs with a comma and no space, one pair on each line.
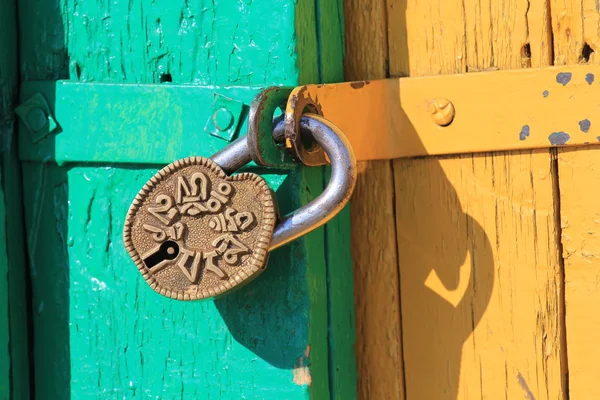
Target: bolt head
222,119
442,111
37,119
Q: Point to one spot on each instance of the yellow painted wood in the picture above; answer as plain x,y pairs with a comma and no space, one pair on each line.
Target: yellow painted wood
579,173
495,111
376,286
479,261
575,25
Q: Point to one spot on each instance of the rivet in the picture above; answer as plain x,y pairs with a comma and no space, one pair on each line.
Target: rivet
442,111
222,119
37,119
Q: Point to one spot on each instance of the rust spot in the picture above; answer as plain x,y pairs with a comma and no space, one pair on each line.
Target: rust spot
293,100
357,85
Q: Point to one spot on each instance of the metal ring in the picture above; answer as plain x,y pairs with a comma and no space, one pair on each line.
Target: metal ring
263,149
297,106
330,202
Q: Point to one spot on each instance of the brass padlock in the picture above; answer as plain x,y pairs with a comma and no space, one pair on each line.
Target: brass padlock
196,232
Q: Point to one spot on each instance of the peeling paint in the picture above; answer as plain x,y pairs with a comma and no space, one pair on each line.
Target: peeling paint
585,125
559,138
589,78
545,93
524,132
357,85
564,78
301,372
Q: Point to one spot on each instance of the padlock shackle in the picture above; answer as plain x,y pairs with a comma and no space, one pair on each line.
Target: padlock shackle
330,202
234,156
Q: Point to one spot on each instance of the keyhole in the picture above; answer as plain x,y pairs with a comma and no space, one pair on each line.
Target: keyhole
168,250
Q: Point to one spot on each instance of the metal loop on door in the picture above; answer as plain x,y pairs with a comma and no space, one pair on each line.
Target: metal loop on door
335,196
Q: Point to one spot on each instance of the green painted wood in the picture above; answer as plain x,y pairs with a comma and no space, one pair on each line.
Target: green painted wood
14,365
128,123
99,331
343,374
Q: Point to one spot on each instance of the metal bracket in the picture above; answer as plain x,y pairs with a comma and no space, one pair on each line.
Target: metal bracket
383,119
129,123
466,113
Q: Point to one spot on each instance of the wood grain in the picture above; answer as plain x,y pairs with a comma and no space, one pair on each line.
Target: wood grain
377,303
578,172
575,26
479,260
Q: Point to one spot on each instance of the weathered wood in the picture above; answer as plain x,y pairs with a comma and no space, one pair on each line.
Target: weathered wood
377,301
14,355
378,346
342,354
578,172
479,261
98,329
575,29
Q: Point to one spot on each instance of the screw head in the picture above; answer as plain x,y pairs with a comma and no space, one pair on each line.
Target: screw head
37,119
442,111
223,119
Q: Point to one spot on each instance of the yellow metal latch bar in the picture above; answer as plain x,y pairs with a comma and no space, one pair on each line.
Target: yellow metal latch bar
466,113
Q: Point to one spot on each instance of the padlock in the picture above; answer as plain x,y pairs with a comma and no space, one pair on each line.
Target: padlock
196,232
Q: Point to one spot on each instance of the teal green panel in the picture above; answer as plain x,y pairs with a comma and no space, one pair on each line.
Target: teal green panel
99,331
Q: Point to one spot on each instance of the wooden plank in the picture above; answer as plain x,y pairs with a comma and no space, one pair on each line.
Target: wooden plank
378,346
103,331
575,29
342,355
14,355
479,260
578,172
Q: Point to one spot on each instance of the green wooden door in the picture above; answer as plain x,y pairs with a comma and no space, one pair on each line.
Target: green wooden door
14,360
98,330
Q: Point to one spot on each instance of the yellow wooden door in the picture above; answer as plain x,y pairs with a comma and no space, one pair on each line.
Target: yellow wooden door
486,286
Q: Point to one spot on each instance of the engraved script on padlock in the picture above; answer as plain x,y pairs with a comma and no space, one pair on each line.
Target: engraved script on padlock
195,232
